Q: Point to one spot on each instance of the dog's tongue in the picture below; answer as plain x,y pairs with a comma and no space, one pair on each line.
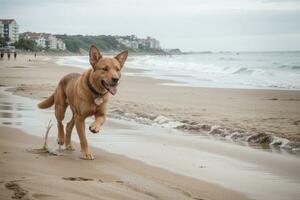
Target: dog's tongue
112,90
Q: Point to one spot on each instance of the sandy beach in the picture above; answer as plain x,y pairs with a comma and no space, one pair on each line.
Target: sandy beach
112,176
248,111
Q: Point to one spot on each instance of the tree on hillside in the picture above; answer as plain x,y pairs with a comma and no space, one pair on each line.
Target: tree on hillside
2,42
28,45
76,43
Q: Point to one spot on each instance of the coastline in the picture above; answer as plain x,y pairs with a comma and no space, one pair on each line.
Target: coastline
244,115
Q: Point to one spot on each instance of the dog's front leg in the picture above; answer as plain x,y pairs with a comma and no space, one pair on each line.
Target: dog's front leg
100,117
80,126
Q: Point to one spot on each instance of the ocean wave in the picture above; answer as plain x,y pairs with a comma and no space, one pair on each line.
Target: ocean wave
243,70
235,135
251,71
228,59
291,67
77,61
296,67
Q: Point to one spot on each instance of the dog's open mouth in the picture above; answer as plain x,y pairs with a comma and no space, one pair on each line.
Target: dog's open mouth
110,88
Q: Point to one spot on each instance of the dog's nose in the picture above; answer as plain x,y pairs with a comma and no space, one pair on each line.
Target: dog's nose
115,80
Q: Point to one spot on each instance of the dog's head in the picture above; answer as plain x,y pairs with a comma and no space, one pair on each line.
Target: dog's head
107,71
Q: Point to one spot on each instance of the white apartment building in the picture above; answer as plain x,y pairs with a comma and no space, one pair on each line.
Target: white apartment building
129,43
41,41
9,29
1,29
135,42
51,41
45,40
152,43
60,44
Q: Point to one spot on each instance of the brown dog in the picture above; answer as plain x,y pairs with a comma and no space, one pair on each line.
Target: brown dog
87,94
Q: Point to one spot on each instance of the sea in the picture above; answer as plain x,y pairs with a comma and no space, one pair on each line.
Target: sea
244,70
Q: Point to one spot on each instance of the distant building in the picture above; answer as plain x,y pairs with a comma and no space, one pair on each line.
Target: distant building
9,29
149,42
51,41
45,40
1,29
152,43
40,39
60,44
135,43
129,43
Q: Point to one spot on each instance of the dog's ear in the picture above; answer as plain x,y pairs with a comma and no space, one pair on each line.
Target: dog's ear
94,54
121,57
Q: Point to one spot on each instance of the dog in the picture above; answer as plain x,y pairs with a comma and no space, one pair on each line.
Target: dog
87,95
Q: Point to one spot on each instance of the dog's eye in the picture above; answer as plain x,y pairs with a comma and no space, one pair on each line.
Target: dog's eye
105,69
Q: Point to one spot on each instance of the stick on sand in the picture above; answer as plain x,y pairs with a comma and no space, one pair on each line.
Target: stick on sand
45,147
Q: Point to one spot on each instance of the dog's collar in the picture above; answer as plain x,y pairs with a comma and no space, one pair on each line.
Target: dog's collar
93,90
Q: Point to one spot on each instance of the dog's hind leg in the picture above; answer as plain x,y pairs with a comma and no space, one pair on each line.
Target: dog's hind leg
60,109
69,128
60,115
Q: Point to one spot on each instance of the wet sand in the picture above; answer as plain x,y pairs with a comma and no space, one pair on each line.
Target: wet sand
28,173
256,173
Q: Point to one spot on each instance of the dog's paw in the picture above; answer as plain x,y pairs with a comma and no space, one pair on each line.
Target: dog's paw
69,147
60,141
87,156
94,128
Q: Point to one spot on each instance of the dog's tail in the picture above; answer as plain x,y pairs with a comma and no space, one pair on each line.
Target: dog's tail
47,102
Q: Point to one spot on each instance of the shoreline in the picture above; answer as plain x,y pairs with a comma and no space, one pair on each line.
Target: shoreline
205,119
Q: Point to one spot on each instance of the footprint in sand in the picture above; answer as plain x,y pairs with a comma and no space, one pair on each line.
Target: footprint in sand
296,122
40,196
77,179
19,193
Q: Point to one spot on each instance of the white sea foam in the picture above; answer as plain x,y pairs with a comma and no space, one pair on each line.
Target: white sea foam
279,141
261,70
252,138
76,61
166,122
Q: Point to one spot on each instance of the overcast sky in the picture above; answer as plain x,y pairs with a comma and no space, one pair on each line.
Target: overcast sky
216,25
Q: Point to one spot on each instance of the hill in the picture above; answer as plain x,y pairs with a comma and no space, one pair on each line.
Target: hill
80,43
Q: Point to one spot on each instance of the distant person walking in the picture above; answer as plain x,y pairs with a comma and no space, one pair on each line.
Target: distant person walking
2,55
15,55
8,55
34,55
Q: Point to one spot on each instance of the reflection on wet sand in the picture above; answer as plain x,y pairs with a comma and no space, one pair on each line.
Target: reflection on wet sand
15,112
